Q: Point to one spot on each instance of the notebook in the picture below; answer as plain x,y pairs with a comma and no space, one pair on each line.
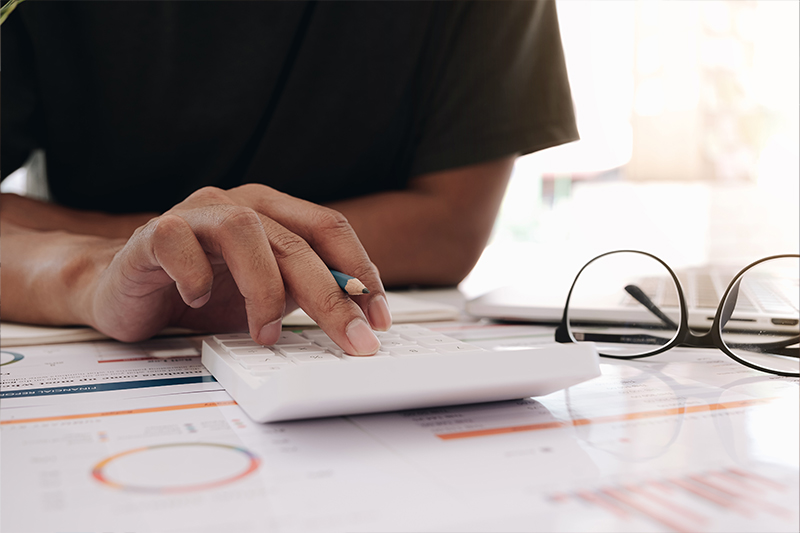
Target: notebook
543,300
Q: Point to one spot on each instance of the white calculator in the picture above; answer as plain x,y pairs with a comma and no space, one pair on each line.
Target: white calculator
306,375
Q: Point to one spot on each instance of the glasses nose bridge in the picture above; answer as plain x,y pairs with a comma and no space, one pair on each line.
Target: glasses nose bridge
691,339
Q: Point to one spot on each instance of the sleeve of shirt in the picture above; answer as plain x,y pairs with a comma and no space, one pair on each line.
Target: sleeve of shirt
19,133
502,88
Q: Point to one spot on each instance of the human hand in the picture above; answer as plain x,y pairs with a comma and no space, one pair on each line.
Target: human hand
236,259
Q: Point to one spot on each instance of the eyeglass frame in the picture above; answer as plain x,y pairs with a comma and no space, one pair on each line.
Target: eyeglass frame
684,336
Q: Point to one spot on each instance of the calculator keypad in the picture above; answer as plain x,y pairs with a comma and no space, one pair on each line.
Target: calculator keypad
313,346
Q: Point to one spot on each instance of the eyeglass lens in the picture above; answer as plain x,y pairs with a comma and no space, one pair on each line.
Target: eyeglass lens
626,303
760,321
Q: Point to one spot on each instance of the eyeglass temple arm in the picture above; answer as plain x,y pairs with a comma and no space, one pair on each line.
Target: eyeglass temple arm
639,295
626,338
727,309
772,348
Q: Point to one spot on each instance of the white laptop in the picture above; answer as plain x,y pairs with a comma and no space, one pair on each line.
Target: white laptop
542,301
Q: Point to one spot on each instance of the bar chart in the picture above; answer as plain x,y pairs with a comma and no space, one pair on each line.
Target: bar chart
690,502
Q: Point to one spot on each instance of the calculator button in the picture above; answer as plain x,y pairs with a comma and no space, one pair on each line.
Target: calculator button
237,353
308,358
331,347
315,334
437,340
414,334
411,350
231,337
290,337
386,344
293,349
397,328
270,360
380,354
386,335
249,343
458,347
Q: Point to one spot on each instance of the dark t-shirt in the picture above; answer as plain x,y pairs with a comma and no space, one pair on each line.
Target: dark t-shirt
137,104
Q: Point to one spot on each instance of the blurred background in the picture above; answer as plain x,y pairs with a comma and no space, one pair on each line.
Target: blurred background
688,114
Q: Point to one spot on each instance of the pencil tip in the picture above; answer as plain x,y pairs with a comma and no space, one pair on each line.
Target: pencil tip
365,290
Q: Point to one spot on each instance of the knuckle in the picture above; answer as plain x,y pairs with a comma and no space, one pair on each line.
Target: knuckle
366,270
285,244
210,195
256,195
330,221
253,188
195,284
236,217
166,227
333,303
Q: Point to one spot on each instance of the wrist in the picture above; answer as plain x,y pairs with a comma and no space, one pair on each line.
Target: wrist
48,277
80,275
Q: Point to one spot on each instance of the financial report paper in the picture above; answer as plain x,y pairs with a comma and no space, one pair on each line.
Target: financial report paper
687,441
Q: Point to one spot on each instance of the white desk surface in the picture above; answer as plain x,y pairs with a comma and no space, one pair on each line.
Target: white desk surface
96,436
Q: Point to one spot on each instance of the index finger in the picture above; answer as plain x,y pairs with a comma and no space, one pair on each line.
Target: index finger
330,236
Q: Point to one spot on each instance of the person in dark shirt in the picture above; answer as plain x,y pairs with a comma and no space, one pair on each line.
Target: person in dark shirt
207,162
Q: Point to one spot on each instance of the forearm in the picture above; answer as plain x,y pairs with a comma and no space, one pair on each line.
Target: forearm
433,232
407,236
34,214
45,275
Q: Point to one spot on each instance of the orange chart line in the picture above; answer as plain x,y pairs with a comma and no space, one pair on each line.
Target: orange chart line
118,413
604,419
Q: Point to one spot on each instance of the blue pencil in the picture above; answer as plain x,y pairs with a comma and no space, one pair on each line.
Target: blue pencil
349,284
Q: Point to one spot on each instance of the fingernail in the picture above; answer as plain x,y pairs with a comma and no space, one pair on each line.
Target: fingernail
362,338
379,315
269,334
200,302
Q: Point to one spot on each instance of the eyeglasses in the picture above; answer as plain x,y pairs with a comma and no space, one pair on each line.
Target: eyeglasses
631,305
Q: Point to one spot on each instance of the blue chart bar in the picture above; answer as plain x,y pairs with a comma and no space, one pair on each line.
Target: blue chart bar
78,389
